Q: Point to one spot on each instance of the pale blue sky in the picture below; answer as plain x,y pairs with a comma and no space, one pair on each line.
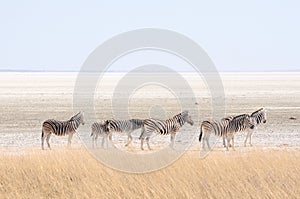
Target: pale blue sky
237,35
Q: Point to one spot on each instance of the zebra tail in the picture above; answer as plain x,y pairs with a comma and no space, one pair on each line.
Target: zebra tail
42,134
200,136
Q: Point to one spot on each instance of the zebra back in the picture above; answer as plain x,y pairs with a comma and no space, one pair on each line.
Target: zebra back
119,125
216,127
239,123
136,123
168,126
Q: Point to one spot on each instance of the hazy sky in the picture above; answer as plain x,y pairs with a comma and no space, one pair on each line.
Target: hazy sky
237,35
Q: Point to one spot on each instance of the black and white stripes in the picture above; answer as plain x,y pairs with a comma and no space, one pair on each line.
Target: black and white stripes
208,127
127,126
258,117
225,128
238,124
61,128
164,127
100,129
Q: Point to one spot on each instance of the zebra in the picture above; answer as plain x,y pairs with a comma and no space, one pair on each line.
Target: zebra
259,116
213,126
164,127
228,118
61,128
100,129
238,124
127,126
225,128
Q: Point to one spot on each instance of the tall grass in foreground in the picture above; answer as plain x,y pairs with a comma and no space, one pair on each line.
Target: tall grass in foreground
74,173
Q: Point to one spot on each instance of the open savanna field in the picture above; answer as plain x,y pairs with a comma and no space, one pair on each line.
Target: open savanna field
62,173
269,169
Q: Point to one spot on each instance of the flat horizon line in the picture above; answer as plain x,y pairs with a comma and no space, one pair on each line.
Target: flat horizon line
122,71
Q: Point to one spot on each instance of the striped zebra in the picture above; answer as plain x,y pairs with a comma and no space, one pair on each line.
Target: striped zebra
226,128
164,127
228,118
218,128
100,129
61,128
258,117
127,126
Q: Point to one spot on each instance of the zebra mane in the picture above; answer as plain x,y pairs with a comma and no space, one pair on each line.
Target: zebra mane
255,112
75,116
228,118
239,117
181,115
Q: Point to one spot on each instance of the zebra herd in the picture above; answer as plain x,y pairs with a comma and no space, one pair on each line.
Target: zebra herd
225,128
230,125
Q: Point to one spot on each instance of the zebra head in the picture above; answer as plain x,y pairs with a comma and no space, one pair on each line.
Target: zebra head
187,118
107,125
264,115
260,116
79,117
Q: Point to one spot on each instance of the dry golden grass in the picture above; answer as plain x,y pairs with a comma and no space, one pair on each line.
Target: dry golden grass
62,173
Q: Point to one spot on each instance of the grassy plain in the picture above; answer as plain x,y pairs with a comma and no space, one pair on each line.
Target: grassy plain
64,173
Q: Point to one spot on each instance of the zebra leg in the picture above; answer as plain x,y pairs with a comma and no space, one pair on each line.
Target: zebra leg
203,141
93,142
207,142
96,137
203,144
47,139
142,138
245,143
250,137
233,142
43,138
228,142
224,143
172,140
142,143
147,140
129,138
70,139
110,140
102,143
